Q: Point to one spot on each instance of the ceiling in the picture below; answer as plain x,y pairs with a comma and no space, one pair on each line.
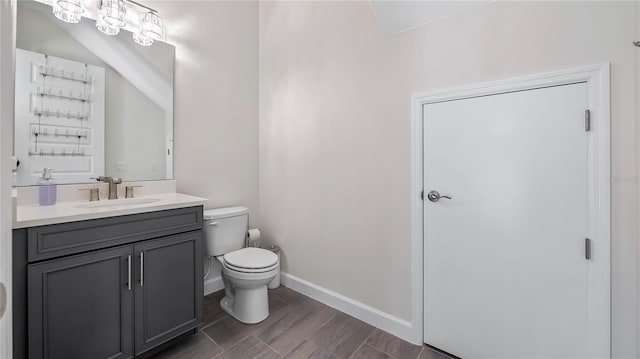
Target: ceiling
395,16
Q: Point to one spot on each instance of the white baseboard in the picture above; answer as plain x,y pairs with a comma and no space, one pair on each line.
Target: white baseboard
379,319
212,285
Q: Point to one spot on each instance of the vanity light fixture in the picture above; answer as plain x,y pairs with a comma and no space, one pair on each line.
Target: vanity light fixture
150,29
114,12
106,28
141,39
151,25
112,16
68,10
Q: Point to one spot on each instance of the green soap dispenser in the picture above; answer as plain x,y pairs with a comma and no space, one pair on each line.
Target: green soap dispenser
48,188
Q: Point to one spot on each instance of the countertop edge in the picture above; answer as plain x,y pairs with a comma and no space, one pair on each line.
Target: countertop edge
196,201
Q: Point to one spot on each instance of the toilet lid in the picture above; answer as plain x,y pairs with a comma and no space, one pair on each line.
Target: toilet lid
251,258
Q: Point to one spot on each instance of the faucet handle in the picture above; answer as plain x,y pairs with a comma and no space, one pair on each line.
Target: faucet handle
128,191
116,180
94,193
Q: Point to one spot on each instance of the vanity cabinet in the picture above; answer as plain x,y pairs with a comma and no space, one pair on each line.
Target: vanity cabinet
114,287
81,307
170,273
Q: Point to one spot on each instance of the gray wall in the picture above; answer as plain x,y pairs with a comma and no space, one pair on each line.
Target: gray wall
335,135
216,100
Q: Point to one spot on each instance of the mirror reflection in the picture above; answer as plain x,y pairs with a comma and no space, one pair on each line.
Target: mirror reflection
88,104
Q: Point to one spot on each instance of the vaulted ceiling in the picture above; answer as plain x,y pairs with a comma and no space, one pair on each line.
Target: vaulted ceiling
396,16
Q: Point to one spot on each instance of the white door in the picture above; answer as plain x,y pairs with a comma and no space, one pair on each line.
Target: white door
504,259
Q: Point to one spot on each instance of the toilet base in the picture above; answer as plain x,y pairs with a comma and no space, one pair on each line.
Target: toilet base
249,306
246,296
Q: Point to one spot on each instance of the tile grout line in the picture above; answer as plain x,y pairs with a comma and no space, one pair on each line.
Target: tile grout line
381,351
214,342
268,346
355,351
389,354
374,348
421,350
370,334
215,321
308,337
328,320
384,351
234,344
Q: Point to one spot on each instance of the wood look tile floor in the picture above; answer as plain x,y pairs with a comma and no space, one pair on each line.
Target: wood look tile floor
297,327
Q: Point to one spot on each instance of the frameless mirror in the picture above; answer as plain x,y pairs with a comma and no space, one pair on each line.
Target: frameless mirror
89,104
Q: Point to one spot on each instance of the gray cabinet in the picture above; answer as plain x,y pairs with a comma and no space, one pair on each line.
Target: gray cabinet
81,306
169,290
95,290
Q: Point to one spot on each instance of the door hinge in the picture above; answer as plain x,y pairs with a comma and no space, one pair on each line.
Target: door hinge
422,195
587,120
587,249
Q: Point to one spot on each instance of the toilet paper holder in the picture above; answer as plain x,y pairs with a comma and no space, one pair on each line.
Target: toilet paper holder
253,238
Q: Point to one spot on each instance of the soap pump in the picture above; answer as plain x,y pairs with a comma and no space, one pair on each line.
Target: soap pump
48,188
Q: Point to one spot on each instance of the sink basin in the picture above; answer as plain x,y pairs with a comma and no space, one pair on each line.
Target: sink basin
118,202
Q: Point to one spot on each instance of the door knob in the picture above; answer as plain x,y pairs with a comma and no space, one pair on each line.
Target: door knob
434,196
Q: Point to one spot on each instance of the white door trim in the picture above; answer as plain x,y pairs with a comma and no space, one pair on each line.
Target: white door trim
7,62
597,79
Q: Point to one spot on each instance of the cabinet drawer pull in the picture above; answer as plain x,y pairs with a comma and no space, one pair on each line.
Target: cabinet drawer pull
129,271
141,269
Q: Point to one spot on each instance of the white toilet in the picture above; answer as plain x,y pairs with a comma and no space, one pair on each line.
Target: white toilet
246,272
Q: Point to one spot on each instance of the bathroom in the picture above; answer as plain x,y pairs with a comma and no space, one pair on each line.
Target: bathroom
308,114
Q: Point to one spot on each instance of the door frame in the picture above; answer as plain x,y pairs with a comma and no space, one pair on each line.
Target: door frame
599,147
7,66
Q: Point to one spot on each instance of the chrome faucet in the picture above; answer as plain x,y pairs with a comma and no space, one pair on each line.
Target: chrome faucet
113,185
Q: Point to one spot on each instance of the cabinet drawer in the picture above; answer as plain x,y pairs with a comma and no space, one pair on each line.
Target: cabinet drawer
56,240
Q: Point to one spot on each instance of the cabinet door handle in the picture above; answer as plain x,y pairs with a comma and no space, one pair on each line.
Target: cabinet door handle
141,269
129,271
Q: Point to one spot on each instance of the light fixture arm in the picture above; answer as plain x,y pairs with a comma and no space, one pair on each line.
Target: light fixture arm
141,5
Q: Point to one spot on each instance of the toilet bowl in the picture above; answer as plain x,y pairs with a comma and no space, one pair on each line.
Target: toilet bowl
246,272
246,297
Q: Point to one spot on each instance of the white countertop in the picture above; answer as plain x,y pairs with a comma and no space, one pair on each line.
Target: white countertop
32,215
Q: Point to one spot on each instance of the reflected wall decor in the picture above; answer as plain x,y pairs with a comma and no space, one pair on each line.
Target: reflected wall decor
59,120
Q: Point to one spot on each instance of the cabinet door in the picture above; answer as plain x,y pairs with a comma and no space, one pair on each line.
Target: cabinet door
169,288
82,306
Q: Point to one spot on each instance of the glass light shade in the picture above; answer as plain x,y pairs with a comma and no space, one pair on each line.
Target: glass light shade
105,28
151,25
66,16
141,39
114,12
71,6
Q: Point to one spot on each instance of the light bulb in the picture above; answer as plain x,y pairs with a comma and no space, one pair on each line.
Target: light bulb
141,39
114,12
105,28
151,25
71,6
66,16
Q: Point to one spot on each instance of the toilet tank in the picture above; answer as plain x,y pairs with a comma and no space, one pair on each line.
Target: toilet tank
225,229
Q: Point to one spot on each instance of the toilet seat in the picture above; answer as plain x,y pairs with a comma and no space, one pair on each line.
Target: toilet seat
245,270
250,260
